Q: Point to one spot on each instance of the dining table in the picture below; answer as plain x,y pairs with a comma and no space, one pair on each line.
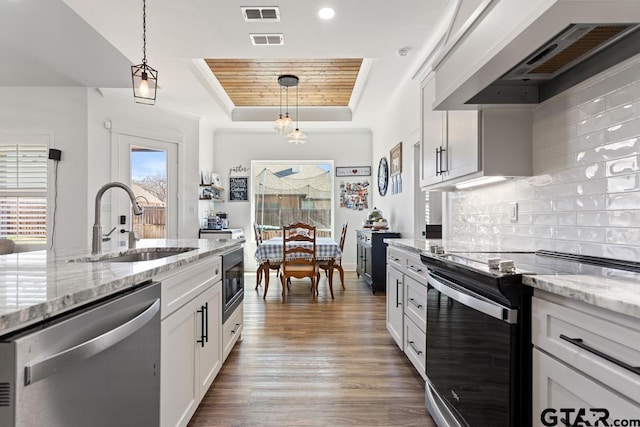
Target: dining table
270,251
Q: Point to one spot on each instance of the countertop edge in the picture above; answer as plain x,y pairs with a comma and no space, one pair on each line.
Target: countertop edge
55,306
612,294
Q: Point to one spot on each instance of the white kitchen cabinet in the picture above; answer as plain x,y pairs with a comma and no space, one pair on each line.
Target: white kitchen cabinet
395,312
556,386
209,354
458,146
415,346
191,331
579,357
407,304
232,330
433,136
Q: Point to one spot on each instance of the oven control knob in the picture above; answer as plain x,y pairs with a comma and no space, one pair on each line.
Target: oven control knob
507,267
494,263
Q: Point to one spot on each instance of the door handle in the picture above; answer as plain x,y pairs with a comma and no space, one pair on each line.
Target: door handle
417,270
437,157
398,303
204,321
414,348
413,301
443,165
578,342
89,348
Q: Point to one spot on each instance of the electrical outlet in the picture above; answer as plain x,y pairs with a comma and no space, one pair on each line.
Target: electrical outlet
513,211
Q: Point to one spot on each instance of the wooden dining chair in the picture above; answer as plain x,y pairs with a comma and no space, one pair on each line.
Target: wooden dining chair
329,265
265,266
298,254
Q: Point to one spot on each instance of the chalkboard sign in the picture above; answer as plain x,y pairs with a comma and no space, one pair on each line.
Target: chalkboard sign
238,189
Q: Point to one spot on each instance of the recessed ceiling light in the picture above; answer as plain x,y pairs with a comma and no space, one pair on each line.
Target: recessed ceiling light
326,13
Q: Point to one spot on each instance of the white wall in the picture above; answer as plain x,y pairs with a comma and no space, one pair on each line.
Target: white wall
400,123
238,148
63,113
75,117
584,196
147,121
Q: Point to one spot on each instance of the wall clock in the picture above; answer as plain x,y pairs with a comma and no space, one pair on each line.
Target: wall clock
383,176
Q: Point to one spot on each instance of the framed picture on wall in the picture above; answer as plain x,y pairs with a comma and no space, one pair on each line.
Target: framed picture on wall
396,160
238,188
353,171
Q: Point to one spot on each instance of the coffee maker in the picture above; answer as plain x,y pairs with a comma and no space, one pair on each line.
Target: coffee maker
224,221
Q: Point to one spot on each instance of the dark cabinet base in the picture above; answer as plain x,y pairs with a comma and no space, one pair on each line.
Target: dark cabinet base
371,261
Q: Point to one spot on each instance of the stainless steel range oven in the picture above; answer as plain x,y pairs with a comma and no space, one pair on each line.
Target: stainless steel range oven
479,332
478,346
232,281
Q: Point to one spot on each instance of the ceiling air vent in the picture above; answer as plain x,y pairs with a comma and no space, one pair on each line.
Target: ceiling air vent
267,39
262,13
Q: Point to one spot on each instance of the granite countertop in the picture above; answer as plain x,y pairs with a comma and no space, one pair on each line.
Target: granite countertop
37,285
615,290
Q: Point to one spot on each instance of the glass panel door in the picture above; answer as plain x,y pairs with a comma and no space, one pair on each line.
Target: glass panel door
150,167
149,183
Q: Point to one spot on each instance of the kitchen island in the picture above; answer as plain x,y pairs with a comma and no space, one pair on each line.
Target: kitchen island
35,286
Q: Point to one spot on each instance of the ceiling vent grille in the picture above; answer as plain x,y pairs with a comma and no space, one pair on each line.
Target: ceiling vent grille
265,14
267,39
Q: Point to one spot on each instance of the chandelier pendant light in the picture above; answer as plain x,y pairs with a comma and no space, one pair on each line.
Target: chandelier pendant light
283,124
296,137
143,77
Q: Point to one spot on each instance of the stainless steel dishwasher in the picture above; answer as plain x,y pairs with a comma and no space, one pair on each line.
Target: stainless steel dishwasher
99,366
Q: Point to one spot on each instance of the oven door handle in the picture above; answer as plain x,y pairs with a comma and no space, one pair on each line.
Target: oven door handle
490,308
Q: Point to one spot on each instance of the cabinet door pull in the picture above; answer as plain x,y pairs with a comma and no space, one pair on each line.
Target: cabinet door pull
413,301
443,164
201,341
398,303
417,270
578,342
414,348
437,158
206,322
235,329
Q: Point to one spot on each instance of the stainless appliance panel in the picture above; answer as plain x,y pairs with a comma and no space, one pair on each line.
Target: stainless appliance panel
470,357
99,366
232,281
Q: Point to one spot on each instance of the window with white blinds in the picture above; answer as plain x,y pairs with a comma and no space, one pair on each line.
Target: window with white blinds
23,192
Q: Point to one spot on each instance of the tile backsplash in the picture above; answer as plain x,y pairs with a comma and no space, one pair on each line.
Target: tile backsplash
584,195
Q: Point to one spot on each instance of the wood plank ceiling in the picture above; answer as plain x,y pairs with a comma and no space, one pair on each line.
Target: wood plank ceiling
254,82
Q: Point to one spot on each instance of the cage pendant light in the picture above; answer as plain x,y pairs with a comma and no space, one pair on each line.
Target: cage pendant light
297,137
143,77
283,124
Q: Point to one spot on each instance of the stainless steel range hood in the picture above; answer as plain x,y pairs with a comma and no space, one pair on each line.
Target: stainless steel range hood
524,52
572,56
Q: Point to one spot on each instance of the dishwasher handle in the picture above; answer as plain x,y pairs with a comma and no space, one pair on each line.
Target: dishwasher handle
87,349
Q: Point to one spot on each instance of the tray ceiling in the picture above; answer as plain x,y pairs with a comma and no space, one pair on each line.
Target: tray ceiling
254,82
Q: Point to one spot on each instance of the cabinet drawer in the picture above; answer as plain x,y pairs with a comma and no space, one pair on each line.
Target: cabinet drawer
182,284
591,340
232,329
415,346
414,267
415,302
557,386
395,257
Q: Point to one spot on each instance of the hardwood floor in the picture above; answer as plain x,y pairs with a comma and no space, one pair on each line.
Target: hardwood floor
316,362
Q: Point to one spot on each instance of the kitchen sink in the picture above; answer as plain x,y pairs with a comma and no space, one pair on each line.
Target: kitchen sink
136,255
